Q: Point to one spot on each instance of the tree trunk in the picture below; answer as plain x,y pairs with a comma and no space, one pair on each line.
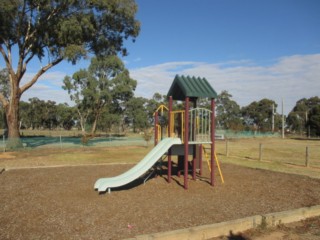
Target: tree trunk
94,125
12,115
82,122
5,125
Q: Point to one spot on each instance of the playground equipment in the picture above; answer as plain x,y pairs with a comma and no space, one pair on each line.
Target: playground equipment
206,155
187,131
104,184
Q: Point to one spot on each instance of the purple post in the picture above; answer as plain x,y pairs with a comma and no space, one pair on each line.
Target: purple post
169,135
186,142
212,139
194,162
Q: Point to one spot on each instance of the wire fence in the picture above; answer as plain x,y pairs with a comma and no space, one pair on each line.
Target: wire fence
72,140
295,152
245,134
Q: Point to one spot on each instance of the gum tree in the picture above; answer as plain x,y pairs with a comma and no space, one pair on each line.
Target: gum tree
57,30
228,112
105,84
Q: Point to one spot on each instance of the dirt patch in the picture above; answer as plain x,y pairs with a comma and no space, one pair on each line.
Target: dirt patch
6,155
60,203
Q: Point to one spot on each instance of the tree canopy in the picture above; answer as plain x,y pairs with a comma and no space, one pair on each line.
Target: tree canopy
228,112
302,117
105,83
57,30
137,114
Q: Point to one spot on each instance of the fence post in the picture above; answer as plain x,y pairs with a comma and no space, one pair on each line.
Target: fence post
307,156
227,148
260,152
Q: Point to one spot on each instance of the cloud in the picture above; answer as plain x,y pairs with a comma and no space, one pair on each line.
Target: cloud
157,78
137,59
291,78
48,87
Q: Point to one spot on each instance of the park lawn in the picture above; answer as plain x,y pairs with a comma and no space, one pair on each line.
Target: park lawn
284,155
72,156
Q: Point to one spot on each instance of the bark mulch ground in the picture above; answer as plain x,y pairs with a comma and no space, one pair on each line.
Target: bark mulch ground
60,203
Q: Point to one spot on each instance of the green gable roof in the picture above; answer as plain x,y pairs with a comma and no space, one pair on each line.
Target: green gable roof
191,87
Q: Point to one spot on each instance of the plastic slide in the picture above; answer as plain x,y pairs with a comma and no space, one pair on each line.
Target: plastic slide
104,184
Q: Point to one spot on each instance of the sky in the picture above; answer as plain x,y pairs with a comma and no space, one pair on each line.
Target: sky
253,49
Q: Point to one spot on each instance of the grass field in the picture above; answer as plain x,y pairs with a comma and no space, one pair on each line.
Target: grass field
285,155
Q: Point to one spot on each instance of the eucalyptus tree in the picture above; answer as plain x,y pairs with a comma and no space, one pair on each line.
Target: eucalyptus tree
56,30
106,82
314,121
258,115
137,113
66,116
5,90
228,112
299,116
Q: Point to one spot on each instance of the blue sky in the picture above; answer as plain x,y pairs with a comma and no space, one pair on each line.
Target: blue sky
254,49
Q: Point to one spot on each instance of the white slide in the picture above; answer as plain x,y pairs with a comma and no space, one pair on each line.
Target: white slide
104,184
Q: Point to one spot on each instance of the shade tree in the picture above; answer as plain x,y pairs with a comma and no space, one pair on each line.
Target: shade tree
228,112
105,85
299,116
52,31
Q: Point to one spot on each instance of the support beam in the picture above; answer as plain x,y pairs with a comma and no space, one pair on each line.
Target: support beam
194,127
212,139
186,142
169,135
200,158
194,162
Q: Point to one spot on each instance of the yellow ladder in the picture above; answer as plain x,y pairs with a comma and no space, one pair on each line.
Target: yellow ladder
217,161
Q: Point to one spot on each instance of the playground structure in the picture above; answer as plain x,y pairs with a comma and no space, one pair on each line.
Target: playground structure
194,125
187,131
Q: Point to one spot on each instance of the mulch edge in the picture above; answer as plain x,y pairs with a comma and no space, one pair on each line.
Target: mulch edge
234,226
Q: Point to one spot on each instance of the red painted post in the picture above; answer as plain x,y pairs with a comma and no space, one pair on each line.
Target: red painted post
156,120
194,162
194,147
169,135
186,142
169,117
212,139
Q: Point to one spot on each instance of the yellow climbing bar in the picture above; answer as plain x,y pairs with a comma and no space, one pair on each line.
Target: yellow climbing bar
217,161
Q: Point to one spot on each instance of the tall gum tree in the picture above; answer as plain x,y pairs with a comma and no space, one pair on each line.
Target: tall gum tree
57,30
104,84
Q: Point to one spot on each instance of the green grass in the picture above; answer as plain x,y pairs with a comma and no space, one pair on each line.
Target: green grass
72,156
284,155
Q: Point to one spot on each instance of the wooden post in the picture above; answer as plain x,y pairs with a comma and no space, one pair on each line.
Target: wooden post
186,142
194,159
260,152
169,135
307,156
212,139
194,162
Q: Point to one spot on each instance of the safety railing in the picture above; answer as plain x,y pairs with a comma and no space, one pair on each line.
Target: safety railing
199,125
